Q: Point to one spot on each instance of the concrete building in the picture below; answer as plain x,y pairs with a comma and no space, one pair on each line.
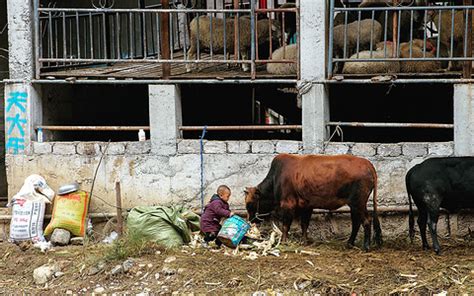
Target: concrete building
167,169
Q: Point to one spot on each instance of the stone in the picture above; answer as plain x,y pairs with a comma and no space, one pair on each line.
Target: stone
96,268
69,292
213,147
88,149
58,274
114,149
170,259
60,237
441,149
77,241
288,147
263,147
414,149
364,149
167,271
389,150
99,290
117,269
127,265
44,273
189,146
239,147
138,147
64,148
42,148
336,148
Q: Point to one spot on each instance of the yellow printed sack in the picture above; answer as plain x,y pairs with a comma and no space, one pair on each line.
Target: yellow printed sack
69,213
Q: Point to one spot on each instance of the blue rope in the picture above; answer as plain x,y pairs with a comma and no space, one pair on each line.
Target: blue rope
201,141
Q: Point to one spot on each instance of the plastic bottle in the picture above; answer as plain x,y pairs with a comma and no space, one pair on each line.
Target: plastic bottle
40,135
141,135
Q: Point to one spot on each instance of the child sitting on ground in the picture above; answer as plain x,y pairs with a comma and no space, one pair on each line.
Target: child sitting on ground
214,211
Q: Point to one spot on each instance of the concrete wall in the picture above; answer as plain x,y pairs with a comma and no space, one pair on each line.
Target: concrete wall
148,178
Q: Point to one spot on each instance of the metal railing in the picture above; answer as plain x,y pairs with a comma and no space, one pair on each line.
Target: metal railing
400,39
78,37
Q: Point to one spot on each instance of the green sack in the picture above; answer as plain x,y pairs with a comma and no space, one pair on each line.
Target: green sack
167,226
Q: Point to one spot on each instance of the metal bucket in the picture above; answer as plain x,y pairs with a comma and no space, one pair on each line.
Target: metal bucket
233,231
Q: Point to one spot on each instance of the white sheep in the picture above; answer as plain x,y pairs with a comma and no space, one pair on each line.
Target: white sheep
358,67
288,52
364,32
217,42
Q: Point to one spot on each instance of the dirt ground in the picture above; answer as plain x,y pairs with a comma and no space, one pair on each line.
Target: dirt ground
324,267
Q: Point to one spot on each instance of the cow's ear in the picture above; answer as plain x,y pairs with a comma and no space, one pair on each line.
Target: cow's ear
257,191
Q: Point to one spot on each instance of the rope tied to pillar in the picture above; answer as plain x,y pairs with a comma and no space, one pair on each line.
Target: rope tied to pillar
201,154
303,87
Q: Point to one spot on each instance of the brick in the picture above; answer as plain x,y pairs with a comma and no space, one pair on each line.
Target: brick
64,148
88,149
238,147
441,149
389,150
415,149
138,147
42,148
337,148
114,149
288,147
263,147
189,146
214,147
364,149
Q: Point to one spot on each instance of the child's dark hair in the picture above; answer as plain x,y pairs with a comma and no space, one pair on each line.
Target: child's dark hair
221,189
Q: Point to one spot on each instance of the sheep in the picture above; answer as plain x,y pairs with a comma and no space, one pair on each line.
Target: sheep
417,48
217,42
370,67
405,18
368,32
288,52
445,33
417,52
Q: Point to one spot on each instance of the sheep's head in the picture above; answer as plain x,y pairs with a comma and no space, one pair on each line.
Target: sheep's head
264,26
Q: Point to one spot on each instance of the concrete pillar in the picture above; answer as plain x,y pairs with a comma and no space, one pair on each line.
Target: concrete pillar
313,31
312,38
23,112
463,120
20,37
315,115
165,118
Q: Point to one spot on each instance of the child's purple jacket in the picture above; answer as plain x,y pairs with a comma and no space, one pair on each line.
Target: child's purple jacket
213,212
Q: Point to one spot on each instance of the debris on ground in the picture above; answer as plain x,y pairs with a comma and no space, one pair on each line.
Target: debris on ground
77,241
43,246
110,238
45,273
123,268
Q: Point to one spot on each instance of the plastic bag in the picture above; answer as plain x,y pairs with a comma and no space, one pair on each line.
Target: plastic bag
35,189
167,226
27,220
70,213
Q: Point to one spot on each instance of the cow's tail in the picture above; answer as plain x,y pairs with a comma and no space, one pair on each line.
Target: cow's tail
375,217
411,218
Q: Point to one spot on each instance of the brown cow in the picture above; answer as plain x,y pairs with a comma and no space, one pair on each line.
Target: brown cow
295,185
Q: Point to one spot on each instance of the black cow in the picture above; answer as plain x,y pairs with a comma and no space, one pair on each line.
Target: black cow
439,183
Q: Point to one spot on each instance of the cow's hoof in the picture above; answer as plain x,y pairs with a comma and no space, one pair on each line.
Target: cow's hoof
426,247
350,245
437,251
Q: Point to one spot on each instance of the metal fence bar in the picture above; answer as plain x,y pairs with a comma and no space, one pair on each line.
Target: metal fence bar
391,125
241,127
90,128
